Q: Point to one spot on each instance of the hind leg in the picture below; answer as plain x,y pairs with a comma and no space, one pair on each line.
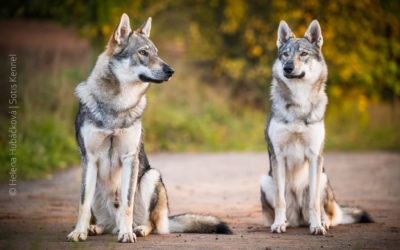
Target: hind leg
159,215
155,201
267,198
143,230
329,206
96,229
325,220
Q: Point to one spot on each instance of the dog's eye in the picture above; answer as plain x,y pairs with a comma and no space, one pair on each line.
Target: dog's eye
303,53
285,54
143,52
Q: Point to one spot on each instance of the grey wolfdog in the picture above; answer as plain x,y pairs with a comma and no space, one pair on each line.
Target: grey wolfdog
121,193
297,192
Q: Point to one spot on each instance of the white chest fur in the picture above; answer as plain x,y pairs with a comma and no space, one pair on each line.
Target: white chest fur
296,141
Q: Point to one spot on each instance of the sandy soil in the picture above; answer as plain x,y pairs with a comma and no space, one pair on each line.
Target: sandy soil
43,211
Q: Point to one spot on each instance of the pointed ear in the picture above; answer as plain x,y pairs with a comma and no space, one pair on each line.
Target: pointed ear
123,30
314,34
284,34
145,28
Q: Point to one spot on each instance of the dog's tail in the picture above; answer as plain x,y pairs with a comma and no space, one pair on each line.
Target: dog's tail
196,223
350,215
355,215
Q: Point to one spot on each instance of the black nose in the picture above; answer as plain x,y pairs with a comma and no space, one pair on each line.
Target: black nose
168,70
288,68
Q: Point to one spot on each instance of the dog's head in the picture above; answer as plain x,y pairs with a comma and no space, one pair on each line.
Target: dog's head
133,57
300,58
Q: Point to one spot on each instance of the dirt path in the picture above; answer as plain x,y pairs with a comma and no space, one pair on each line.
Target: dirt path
42,212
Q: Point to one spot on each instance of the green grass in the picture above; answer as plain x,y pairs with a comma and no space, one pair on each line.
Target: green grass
44,121
351,129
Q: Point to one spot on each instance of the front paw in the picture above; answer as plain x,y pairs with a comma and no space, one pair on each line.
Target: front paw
278,228
317,230
77,236
127,237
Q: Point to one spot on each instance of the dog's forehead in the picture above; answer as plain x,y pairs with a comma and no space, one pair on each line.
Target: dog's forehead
298,44
139,41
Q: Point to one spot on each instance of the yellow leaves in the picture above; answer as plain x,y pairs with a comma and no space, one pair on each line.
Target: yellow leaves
350,96
256,51
301,30
297,14
362,103
233,67
105,30
249,37
335,91
358,99
199,45
362,4
235,13
333,6
350,65
346,73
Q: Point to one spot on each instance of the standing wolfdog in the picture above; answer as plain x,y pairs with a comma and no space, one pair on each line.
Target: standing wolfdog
121,193
297,192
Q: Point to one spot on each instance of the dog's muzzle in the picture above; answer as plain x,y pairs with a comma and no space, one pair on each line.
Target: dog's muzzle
166,74
288,71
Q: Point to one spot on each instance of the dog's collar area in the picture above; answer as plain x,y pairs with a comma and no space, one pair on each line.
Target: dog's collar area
99,112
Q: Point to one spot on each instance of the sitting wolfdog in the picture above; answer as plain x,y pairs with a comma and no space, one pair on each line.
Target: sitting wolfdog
121,193
297,192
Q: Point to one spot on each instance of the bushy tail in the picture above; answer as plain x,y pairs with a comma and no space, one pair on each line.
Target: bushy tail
195,223
355,215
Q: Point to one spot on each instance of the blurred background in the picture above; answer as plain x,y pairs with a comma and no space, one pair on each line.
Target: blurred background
222,52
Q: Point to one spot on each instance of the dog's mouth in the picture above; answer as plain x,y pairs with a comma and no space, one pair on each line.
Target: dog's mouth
145,78
293,76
